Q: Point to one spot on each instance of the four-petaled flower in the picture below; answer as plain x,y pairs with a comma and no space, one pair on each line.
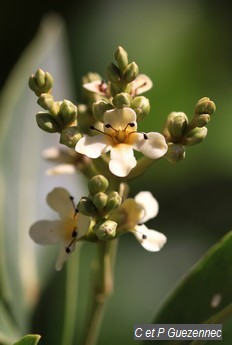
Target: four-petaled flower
70,228
141,84
120,137
137,211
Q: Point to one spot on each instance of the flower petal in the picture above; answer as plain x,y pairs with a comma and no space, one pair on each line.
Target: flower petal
45,232
94,146
64,255
61,169
141,84
152,145
96,86
151,240
119,119
150,205
83,223
133,212
122,160
60,201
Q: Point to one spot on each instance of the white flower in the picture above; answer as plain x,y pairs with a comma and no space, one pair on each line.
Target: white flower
121,138
139,210
68,160
141,84
70,228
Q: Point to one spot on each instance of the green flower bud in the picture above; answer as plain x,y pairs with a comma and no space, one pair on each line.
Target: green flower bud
41,82
112,73
201,120
46,100
67,112
205,106
195,136
97,184
69,136
105,229
176,124
121,100
131,72
122,58
47,122
86,207
113,202
90,77
175,153
100,200
117,88
99,108
141,106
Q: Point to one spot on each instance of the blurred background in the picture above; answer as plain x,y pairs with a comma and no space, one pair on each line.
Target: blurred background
185,48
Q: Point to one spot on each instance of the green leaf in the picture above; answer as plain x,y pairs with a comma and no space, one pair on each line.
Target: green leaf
23,183
30,339
205,294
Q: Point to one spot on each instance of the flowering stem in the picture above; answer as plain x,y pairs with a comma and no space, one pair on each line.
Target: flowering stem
103,288
71,292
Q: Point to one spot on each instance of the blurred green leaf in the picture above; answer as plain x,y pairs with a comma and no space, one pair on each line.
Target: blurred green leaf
30,339
23,184
8,331
205,294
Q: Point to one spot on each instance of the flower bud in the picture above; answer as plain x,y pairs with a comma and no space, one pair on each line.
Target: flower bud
69,136
100,200
113,202
86,207
175,153
99,108
141,106
46,100
205,106
122,58
121,100
67,112
176,124
112,73
89,77
41,82
195,136
117,88
47,122
105,229
131,72
97,184
201,120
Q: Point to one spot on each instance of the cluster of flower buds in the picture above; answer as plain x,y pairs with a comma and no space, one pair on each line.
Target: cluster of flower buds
123,87
99,204
60,116
180,132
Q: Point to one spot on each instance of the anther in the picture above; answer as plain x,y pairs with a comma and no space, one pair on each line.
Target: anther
145,136
96,129
108,125
144,237
74,233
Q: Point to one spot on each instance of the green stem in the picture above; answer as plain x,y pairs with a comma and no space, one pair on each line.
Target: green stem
103,288
71,296
142,165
